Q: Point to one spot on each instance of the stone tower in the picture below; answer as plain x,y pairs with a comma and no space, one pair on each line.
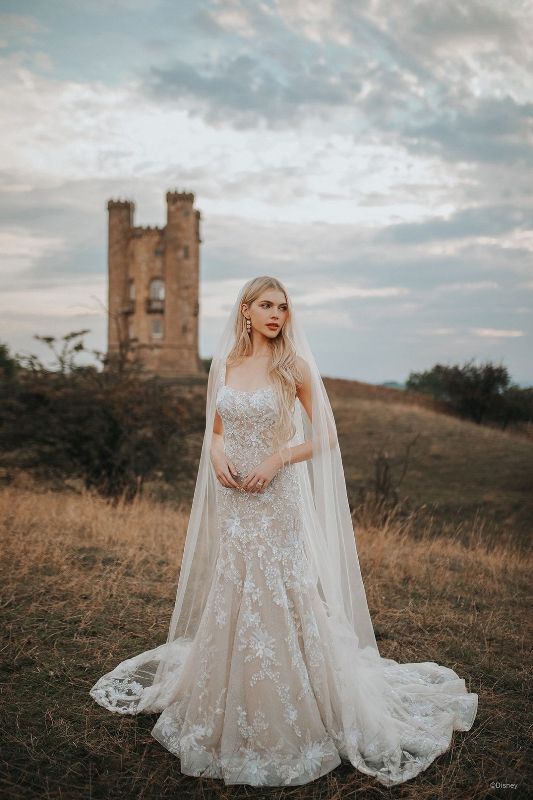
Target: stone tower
153,276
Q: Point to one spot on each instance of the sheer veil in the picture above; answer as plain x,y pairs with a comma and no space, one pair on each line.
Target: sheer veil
145,680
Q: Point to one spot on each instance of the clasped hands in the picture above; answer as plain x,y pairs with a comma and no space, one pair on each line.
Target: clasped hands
256,481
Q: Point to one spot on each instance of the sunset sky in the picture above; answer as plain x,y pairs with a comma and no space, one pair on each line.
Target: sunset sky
375,155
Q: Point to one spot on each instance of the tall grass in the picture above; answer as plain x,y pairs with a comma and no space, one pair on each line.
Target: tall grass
87,584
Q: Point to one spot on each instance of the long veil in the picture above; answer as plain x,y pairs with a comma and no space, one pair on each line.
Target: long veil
142,683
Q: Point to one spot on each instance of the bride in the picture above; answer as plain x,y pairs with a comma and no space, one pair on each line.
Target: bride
271,675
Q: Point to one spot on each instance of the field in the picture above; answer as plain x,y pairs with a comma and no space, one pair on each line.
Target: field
87,584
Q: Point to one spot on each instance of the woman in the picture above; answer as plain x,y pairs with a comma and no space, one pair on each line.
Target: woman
271,674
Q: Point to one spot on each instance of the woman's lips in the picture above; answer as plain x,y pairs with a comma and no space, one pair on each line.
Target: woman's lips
273,326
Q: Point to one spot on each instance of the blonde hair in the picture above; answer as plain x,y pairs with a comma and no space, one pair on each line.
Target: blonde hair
283,370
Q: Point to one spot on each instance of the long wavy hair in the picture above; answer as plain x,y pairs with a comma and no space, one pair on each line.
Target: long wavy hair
283,369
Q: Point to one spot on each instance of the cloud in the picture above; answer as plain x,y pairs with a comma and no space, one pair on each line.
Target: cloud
438,331
21,249
448,81
112,7
465,286
329,293
56,303
466,222
20,29
490,129
231,16
494,333
244,89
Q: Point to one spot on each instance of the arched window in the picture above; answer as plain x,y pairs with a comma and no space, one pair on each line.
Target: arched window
157,289
131,290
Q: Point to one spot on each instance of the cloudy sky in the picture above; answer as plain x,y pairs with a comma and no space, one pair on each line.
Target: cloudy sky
373,154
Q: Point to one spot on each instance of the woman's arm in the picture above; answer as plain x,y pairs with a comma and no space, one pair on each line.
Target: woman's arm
223,466
304,451
217,442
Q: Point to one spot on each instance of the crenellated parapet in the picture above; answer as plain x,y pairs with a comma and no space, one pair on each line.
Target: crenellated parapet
121,205
121,214
147,230
180,197
111,204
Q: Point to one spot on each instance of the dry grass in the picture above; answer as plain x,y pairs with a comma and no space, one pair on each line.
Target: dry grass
87,584
458,469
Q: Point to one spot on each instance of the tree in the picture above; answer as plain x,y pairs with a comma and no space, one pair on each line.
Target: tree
477,392
516,406
8,365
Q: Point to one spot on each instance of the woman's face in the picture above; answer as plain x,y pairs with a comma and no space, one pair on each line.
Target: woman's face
268,313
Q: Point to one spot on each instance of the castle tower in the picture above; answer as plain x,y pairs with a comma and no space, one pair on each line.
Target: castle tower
153,281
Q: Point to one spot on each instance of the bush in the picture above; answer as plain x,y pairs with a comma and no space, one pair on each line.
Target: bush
478,392
8,365
113,429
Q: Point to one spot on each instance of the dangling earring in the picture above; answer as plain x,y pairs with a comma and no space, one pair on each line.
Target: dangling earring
248,325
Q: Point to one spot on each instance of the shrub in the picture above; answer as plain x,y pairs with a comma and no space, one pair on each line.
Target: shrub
112,428
478,392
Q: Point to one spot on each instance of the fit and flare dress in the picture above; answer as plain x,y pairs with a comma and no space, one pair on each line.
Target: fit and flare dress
257,697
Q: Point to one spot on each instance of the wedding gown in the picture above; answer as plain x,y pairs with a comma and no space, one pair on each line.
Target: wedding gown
259,696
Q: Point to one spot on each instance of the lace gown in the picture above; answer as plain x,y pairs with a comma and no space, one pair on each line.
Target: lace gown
259,698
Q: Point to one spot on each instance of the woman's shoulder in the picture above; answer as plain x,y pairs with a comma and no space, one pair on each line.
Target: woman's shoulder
304,370
303,365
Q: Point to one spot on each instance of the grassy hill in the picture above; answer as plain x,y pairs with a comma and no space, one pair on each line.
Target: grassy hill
457,468
457,471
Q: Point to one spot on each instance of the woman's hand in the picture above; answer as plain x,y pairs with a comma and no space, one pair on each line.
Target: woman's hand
223,468
262,474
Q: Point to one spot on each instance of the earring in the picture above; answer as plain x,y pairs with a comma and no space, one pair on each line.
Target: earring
248,325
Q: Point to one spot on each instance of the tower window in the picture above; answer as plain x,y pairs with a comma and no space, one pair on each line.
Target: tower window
157,329
155,302
157,289
131,289
186,251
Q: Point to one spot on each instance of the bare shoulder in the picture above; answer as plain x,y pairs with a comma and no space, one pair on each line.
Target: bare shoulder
303,366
